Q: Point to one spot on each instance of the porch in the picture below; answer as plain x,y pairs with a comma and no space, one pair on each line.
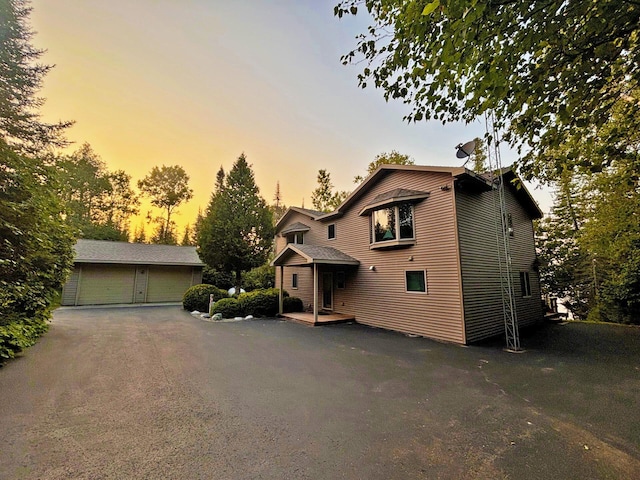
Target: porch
307,318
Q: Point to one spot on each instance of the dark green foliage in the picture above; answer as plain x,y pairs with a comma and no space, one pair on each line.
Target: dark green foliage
35,251
227,307
236,232
260,303
98,203
260,277
21,77
292,304
197,297
590,246
217,278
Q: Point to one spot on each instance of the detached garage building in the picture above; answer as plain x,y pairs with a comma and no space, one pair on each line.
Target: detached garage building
118,272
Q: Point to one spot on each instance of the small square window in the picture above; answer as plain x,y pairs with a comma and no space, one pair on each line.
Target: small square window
525,284
331,231
294,280
340,280
416,280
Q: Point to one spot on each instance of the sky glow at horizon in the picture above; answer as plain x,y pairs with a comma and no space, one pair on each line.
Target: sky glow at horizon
196,83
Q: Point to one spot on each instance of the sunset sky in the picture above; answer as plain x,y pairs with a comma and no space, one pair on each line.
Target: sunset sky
198,82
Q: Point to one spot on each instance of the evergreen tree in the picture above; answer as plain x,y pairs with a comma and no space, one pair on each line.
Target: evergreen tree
236,233
21,77
187,238
323,198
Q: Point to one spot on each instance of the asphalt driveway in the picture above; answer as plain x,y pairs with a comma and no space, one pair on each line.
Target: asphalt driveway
155,393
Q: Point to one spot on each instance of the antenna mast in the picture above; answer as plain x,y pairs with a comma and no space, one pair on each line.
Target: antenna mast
502,235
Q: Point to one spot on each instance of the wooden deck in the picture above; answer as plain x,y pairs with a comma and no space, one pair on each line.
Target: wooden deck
323,319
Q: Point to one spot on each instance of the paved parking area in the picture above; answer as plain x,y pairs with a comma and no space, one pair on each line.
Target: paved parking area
155,393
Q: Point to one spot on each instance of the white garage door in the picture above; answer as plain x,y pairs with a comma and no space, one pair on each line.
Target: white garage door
106,284
168,284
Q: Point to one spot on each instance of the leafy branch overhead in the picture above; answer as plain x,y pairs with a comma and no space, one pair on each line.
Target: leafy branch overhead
551,70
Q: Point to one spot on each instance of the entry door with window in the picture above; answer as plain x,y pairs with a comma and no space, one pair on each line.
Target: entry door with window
327,291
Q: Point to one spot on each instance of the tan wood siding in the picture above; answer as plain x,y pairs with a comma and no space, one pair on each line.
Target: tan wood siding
378,298
168,284
305,283
106,284
70,289
479,264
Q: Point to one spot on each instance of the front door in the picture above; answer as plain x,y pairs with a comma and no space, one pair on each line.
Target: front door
327,291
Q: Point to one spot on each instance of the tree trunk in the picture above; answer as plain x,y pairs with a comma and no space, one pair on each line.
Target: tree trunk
238,281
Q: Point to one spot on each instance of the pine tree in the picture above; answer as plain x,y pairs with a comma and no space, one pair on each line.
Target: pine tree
236,233
21,77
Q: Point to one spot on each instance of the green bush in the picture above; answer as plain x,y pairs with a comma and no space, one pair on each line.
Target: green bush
227,307
18,333
197,297
292,304
261,303
215,277
259,278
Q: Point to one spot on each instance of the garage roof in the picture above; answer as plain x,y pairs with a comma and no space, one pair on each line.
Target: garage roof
103,251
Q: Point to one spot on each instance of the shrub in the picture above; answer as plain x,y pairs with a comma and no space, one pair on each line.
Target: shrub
292,304
197,297
215,277
261,303
227,307
259,277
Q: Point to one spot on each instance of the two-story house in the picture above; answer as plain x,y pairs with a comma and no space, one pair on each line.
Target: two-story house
414,249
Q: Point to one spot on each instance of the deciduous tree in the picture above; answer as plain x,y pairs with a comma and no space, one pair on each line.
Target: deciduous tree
168,188
550,70
391,158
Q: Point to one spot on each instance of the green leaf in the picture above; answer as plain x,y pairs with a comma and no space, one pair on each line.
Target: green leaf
430,7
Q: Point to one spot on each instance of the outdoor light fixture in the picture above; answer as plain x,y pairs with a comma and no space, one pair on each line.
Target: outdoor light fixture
372,268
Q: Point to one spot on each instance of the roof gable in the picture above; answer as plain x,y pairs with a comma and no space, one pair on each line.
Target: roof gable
310,254
103,251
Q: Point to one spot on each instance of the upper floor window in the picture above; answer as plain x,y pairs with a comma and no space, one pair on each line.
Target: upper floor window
393,223
297,238
331,231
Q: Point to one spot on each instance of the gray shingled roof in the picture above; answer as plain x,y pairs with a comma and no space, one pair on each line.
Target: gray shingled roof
102,251
317,254
296,227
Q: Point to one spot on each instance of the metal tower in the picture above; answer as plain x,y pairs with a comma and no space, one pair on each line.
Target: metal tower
502,235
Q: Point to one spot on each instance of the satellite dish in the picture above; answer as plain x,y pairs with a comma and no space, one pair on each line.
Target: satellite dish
465,150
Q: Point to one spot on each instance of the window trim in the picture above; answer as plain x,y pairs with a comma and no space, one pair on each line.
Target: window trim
329,237
525,284
294,281
424,276
373,244
295,238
